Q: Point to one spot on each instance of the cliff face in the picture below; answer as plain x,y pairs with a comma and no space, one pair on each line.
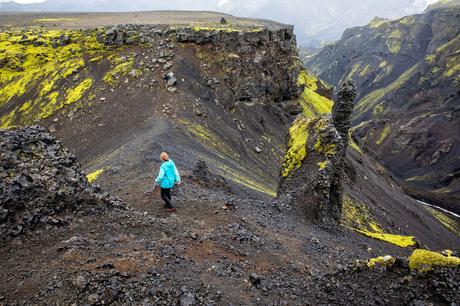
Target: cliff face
255,50
407,114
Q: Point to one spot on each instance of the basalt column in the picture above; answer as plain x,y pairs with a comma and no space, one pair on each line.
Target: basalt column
341,117
314,184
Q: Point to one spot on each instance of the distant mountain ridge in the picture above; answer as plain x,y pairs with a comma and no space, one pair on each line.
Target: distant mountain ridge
316,21
408,114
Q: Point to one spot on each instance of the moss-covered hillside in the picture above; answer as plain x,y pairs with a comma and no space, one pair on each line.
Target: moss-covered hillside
408,73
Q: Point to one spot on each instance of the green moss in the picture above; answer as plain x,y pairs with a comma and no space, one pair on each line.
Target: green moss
408,20
41,65
394,45
381,261
365,71
447,222
396,33
353,144
214,143
430,59
296,151
112,77
378,110
376,96
313,103
307,80
92,177
354,70
55,19
356,215
250,183
377,22
453,69
401,241
424,260
385,132
323,165
327,150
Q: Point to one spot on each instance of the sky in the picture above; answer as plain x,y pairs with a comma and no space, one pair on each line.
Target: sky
24,1
32,1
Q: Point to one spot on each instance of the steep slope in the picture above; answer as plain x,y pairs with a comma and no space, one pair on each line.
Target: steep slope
407,115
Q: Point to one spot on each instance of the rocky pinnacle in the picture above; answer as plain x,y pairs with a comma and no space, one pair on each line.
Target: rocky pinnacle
342,109
341,114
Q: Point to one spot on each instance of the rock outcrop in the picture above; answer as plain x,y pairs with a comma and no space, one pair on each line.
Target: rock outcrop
251,49
315,184
241,51
40,182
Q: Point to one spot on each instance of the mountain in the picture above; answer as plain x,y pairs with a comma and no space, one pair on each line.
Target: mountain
442,3
408,72
322,21
315,21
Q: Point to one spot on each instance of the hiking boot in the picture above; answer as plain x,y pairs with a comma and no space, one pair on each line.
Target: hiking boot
171,210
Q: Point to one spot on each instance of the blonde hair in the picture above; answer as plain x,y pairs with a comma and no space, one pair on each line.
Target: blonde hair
164,156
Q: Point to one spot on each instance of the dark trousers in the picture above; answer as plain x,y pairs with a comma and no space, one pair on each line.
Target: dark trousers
166,196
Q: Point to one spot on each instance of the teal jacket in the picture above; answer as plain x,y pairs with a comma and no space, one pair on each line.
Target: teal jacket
168,175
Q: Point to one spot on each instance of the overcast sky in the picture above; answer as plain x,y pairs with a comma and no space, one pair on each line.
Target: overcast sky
31,1
24,1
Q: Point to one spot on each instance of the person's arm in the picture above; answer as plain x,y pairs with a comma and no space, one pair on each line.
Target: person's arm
176,175
160,176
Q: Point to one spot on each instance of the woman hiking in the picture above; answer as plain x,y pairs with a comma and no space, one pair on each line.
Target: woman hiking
167,177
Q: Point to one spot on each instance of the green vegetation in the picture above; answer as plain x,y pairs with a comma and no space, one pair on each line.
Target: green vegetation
313,103
325,149
355,215
353,144
120,69
297,151
55,19
408,20
218,146
377,22
378,110
36,61
385,132
375,97
446,221
424,260
365,71
91,177
401,241
245,181
381,261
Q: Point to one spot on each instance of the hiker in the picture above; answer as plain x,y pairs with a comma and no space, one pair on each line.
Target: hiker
167,177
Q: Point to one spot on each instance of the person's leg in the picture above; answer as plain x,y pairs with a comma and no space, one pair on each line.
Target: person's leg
169,194
165,195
